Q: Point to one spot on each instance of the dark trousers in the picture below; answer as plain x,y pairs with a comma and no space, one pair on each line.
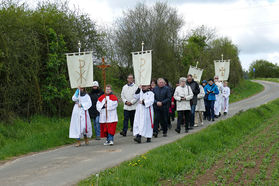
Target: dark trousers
206,113
192,118
128,115
183,115
210,108
161,116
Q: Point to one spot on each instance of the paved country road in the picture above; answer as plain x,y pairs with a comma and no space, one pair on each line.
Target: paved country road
67,165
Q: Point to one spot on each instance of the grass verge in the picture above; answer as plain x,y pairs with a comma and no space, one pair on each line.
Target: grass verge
245,89
191,155
42,133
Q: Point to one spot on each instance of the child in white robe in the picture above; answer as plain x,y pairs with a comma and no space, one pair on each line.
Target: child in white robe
144,116
80,122
226,96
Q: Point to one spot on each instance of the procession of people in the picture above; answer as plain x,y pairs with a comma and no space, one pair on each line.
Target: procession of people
148,108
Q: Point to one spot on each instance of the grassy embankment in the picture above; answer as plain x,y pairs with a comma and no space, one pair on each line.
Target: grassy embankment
240,150
43,133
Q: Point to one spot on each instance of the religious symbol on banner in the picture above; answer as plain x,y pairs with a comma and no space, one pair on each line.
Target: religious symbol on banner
81,71
195,76
222,70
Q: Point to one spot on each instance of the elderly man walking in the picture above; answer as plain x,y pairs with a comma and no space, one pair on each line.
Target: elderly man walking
196,90
161,107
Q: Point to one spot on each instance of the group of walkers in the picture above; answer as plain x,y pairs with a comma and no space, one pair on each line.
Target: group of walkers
149,108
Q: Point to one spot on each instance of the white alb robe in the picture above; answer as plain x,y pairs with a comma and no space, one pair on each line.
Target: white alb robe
80,121
226,96
109,114
219,99
144,116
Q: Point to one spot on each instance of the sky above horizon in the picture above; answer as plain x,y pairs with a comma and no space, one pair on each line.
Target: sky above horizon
253,25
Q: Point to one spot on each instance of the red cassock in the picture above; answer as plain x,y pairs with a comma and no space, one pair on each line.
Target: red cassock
108,116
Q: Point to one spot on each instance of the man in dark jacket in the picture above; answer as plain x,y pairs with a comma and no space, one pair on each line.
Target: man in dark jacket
161,107
95,93
196,90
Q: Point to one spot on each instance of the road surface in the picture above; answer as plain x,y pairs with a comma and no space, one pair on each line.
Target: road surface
67,165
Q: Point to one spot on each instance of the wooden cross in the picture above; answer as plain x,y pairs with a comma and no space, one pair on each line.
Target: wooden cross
222,70
103,66
195,76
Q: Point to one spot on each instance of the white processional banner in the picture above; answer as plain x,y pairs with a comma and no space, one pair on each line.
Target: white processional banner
142,64
222,69
80,68
196,73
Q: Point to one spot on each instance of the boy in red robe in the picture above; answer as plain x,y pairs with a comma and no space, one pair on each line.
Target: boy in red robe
107,106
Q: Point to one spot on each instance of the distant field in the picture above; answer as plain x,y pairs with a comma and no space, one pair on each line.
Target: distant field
241,150
270,79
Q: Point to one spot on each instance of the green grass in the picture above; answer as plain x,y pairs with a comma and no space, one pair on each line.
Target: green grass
41,133
190,155
244,90
276,80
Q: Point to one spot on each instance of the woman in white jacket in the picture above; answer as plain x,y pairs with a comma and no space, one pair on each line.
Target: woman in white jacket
200,108
183,94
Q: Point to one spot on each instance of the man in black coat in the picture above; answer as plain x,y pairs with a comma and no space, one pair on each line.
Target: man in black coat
196,90
162,100
95,93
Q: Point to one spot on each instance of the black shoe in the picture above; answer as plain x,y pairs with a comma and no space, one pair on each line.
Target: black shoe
165,135
137,139
216,116
186,130
208,119
213,119
148,140
220,114
155,135
123,133
177,130
225,113
191,128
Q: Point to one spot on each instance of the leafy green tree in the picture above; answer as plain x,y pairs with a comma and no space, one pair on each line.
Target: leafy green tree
263,69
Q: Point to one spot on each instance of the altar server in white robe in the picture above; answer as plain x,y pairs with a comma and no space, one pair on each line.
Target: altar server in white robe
226,96
144,116
219,99
80,126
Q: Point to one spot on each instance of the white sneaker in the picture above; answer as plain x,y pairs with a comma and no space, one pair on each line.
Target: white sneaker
201,123
106,143
111,143
195,125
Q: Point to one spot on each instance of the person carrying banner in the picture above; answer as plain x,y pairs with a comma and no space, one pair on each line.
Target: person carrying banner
219,99
107,106
226,96
144,116
80,126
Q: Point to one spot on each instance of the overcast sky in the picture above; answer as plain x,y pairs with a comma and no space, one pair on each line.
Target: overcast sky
253,25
